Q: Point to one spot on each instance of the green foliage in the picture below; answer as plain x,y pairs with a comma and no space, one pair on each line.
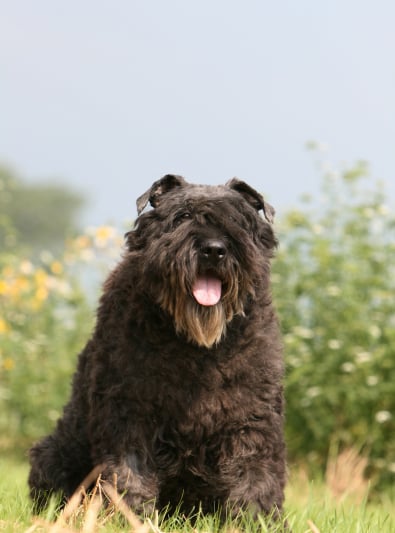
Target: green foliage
334,287
45,320
42,327
35,215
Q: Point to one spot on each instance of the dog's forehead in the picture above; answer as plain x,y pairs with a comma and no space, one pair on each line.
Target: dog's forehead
205,193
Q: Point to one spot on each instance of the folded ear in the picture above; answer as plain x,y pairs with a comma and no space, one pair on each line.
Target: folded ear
253,197
159,189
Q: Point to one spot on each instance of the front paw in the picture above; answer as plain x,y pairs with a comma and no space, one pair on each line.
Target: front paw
133,483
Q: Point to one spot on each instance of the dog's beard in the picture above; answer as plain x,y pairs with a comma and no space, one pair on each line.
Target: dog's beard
203,325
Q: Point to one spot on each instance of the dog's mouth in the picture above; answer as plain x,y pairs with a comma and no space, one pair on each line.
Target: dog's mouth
207,290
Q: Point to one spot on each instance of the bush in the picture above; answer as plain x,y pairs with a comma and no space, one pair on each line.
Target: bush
45,320
334,287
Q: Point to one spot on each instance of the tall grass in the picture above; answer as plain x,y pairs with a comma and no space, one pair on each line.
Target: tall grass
310,508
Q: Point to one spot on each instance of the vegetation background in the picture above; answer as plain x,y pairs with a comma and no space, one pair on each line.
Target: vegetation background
333,285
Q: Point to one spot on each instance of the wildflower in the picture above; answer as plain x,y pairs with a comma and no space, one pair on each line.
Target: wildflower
81,242
8,363
3,287
348,367
41,294
383,416
374,331
56,267
372,381
26,267
333,290
40,276
4,327
334,344
103,234
312,392
363,357
304,333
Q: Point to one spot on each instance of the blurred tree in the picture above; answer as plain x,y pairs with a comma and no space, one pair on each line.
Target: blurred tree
36,215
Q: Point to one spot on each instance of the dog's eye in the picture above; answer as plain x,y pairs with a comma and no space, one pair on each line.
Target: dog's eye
181,217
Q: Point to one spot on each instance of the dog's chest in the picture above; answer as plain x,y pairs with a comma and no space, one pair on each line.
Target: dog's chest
207,404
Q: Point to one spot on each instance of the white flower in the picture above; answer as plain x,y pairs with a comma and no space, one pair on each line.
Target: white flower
382,416
334,344
333,290
363,357
348,367
26,267
374,331
304,333
312,392
372,381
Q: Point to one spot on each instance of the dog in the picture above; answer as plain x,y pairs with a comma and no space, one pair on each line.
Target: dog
178,393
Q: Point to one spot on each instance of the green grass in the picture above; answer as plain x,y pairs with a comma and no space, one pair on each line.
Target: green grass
309,508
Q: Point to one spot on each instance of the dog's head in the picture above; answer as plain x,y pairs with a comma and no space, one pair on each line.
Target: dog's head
205,251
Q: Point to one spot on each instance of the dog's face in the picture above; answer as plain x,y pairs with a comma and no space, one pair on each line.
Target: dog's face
204,251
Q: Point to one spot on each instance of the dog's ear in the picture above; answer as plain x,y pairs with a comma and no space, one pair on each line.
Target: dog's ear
253,197
158,189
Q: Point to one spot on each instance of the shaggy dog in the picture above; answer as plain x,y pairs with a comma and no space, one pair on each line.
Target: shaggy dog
178,393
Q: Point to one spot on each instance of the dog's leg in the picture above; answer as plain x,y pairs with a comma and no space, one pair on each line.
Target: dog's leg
258,490
134,480
57,466
254,474
121,445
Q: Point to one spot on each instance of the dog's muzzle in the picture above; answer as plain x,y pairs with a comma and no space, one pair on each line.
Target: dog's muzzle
207,288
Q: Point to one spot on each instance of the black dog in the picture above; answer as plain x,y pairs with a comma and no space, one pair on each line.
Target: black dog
178,393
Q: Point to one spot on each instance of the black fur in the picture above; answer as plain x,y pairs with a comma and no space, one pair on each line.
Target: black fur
181,401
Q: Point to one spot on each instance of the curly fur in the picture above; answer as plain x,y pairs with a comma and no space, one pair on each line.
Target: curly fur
180,401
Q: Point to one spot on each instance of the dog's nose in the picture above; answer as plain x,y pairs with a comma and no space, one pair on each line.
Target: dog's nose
213,250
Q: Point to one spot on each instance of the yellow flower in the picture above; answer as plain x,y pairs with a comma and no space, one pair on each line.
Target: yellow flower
8,363
3,287
56,267
4,327
103,234
41,294
82,241
40,276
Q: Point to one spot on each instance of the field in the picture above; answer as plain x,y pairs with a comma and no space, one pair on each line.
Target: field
333,283
310,508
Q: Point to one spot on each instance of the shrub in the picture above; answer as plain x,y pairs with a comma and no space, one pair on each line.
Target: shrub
45,319
334,286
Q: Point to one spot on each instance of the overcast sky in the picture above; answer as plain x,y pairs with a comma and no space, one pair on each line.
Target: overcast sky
109,96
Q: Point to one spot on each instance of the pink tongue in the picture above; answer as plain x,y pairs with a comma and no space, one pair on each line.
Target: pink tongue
207,291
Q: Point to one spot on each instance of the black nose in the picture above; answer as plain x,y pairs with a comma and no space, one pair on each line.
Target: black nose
213,251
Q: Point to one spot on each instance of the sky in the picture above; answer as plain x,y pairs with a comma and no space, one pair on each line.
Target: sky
107,97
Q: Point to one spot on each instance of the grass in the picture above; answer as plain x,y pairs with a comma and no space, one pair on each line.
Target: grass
310,508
